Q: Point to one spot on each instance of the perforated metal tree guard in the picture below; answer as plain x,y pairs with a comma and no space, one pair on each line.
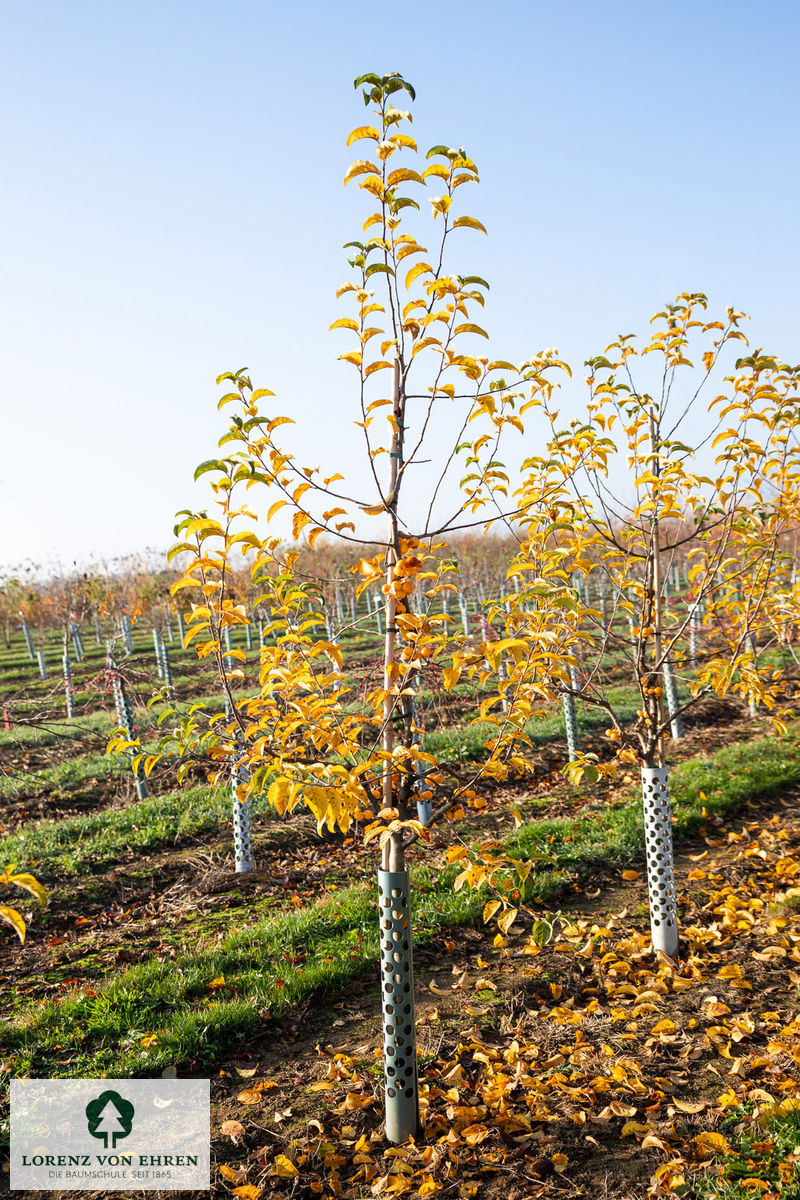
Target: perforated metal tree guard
424,812
166,663
42,664
660,865
69,694
26,629
181,627
77,642
570,725
673,703
125,721
126,633
248,636
397,989
242,827
157,650
244,859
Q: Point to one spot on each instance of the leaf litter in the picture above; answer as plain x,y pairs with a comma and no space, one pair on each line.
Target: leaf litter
587,1067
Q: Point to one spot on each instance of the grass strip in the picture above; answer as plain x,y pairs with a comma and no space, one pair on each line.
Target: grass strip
91,842
763,1157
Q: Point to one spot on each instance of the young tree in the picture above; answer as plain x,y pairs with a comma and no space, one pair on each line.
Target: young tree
728,515
306,737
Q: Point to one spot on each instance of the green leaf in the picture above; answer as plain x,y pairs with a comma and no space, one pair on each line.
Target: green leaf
382,267
211,464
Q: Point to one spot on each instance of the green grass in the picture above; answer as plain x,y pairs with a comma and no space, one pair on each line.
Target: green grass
56,850
66,776
279,961
783,1131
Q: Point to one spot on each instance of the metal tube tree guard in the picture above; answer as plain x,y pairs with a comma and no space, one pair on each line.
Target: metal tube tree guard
660,864
673,703
240,810
125,720
397,990
166,663
69,692
26,629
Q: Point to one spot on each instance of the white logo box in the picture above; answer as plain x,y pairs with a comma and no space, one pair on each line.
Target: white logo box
110,1134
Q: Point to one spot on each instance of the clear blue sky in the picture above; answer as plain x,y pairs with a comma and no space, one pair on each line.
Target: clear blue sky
173,207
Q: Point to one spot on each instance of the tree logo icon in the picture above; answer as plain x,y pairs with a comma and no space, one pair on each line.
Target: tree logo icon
110,1117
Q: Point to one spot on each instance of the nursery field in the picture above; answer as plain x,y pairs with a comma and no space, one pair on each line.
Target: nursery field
562,1058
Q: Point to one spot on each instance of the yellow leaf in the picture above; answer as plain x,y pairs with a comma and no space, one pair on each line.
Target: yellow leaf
630,876
30,884
13,918
468,223
710,1143
284,1167
468,328
473,1135
634,1127
299,522
450,676
489,909
376,366
372,184
361,166
248,1192
278,795
249,1096
506,919
363,131
233,1174
403,175
420,268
